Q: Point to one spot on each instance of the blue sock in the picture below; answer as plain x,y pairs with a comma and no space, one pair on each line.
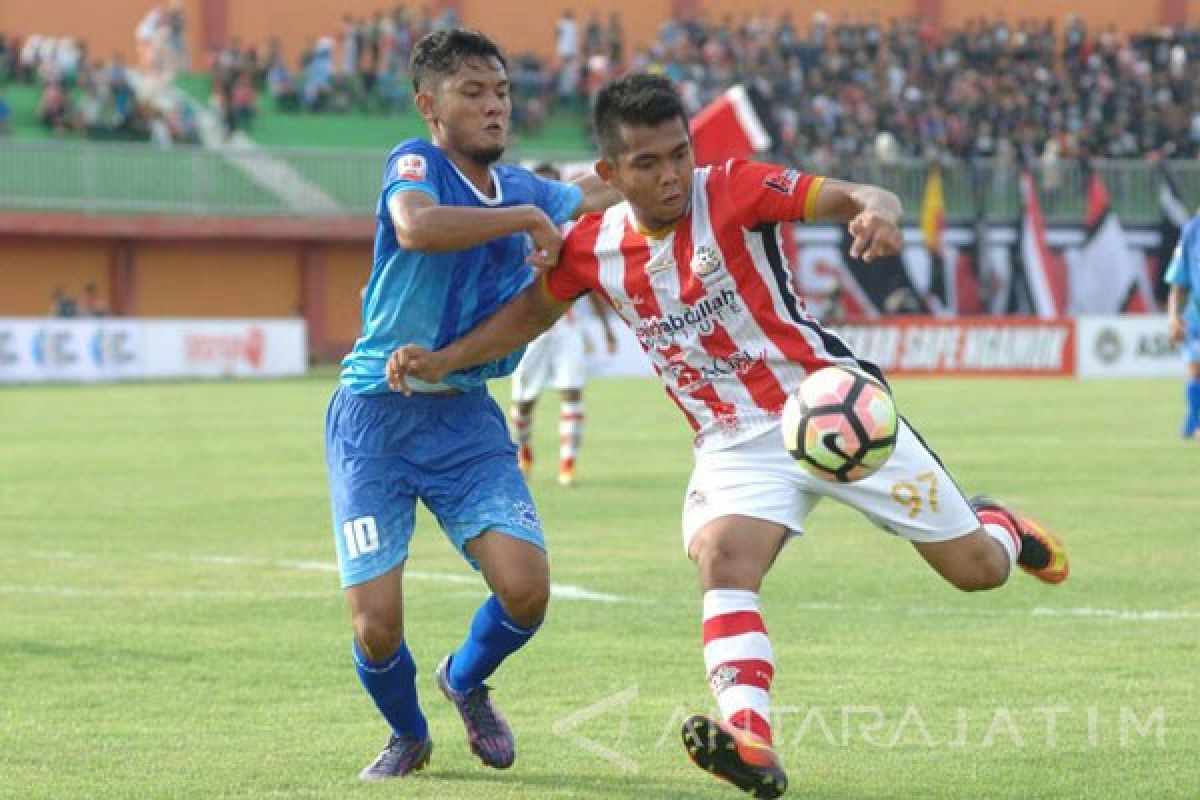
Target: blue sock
1192,422
492,638
392,684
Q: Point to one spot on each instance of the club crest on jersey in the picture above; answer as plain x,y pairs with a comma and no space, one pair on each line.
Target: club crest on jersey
411,167
722,677
783,182
706,262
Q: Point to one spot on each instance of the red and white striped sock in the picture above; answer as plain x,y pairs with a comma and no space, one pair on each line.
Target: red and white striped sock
1000,527
523,431
737,655
570,434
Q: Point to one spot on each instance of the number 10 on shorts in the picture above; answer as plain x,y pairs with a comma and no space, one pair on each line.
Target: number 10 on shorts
361,536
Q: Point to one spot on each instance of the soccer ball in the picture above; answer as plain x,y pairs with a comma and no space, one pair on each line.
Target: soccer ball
840,424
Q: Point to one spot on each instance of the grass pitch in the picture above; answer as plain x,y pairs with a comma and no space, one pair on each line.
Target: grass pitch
171,625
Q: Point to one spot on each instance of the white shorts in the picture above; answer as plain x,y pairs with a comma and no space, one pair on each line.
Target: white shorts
555,360
912,496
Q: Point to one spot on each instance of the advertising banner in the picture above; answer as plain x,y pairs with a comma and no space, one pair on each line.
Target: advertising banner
1132,346
37,349
966,346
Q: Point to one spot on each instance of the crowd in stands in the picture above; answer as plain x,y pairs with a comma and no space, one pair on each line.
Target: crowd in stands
991,89
838,91
107,99
363,67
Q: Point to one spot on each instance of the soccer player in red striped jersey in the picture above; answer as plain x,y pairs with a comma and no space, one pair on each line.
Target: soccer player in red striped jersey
692,262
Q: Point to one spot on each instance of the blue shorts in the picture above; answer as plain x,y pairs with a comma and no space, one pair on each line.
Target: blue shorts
1191,342
386,451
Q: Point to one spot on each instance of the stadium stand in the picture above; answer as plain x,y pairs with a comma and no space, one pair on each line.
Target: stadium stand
866,101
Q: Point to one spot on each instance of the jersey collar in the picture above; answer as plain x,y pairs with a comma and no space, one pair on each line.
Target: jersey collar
483,198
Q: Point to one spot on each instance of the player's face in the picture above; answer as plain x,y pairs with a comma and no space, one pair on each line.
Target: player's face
470,110
654,171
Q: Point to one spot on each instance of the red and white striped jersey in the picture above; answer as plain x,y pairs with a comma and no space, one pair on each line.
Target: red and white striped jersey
713,302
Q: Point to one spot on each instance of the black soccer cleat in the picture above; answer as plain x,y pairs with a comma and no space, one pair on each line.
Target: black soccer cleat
734,755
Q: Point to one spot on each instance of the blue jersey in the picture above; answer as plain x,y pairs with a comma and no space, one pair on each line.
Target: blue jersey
1184,269
431,299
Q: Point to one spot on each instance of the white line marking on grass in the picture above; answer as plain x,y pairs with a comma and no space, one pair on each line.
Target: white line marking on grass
570,592
1042,611
160,594
561,590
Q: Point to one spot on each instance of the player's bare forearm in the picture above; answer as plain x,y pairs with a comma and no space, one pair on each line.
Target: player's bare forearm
518,322
842,201
597,194
425,226
872,215
1176,301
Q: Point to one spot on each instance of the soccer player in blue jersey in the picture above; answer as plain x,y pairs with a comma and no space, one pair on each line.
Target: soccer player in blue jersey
451,247
1183,312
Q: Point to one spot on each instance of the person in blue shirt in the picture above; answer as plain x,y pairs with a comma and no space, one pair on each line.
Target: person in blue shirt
457,237
1183,316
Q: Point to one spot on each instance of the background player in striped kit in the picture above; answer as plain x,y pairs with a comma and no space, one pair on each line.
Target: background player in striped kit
557,360
692,262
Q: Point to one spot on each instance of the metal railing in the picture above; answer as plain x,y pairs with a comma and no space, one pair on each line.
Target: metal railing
108,178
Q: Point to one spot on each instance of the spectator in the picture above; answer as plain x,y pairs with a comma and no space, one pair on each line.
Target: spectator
318,76
92,305
62,304
566,45
566,49
280,85
8,59
244,99
176,37
54,110
593,36
616,40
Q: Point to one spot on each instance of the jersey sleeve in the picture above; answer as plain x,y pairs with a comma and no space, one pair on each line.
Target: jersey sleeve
1186,258
409,168
559,200
770,193
571,278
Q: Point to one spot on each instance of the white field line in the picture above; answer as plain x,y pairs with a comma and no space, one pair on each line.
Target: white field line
568,591
558,590
159,594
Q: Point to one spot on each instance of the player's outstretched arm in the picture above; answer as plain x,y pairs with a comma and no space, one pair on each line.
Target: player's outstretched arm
872,215
423,225
518,322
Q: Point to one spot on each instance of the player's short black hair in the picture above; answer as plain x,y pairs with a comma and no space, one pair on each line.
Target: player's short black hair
440,53
637,99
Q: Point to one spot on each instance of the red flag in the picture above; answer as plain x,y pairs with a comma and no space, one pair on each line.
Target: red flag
1045,272
729,127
